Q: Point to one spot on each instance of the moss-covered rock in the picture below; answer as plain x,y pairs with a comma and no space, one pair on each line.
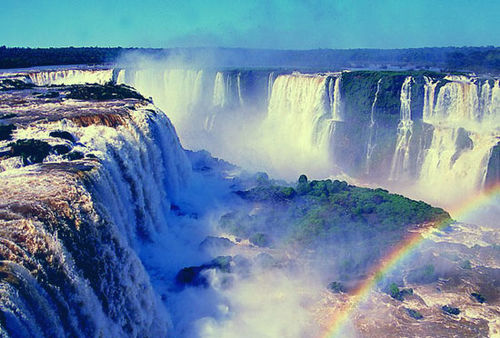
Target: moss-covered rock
450,310
399,294
14,84
414,314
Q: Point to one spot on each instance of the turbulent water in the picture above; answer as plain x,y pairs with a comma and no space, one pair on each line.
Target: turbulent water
441,132
83,245
71,231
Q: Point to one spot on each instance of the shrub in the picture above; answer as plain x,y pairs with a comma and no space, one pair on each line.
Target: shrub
414,314
450,310
6,132
31,150
478,297
102,92
336,287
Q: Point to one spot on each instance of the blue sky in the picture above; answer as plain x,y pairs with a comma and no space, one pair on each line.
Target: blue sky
279,24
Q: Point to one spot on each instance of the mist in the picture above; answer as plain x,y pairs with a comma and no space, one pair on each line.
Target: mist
283,123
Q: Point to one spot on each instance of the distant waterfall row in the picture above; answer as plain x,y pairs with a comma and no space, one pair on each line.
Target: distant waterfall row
420,129
71,76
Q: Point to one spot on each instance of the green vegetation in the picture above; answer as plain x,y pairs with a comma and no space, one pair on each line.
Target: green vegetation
478,59
356,225
94,92
7,116
30,150
450,310
328,209
398,294
6,132
466,265
28,57
336,287
425,275
14,84
414,314
477,296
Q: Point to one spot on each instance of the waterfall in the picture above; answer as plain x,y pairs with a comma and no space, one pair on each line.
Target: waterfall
400,160
270,81
73,269
240,97
464,132
71,76
306,120
300,121
371,133
429,94
220,91
334,96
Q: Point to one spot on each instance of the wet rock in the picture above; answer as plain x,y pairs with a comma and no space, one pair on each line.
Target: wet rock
63,134
74,155
60,149
215,243
192,276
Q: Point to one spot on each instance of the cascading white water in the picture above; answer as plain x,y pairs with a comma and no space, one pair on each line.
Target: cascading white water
335,99
240,96
298,128
301,115
89,279
270,81
220,90
400,160
371,134
465,131
71,76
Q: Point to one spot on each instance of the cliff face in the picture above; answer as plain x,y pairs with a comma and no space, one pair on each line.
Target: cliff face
392,128
82,184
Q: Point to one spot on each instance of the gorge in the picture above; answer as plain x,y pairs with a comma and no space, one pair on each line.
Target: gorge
95,231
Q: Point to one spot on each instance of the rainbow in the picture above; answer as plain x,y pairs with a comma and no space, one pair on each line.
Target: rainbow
398,254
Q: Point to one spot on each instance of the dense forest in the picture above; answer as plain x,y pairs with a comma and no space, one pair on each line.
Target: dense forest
477,59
